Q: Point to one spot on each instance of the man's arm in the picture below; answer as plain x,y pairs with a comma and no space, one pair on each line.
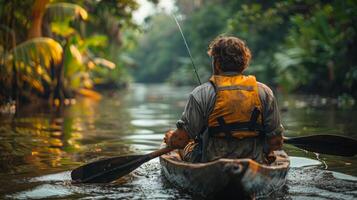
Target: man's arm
187,127
273,128
194,117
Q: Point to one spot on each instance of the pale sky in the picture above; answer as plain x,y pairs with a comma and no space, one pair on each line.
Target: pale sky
146,8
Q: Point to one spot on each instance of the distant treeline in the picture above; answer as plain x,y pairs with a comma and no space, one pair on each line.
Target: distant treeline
297,45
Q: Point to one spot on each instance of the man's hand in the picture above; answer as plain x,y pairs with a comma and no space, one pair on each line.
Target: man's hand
177,139
275,142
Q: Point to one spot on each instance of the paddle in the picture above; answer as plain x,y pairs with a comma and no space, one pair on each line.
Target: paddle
110,169
325,144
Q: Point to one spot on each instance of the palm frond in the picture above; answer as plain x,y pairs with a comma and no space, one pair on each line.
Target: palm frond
32,60
38,51
64,11
290,58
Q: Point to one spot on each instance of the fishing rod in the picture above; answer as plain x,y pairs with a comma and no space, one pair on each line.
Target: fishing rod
188,49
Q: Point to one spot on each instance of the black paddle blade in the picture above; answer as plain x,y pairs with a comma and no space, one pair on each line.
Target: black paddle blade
325,144
107,170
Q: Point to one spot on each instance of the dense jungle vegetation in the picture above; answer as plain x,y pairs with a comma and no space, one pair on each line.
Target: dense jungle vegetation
55,50
297,45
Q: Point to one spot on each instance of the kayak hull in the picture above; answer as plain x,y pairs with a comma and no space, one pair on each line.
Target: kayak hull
228,177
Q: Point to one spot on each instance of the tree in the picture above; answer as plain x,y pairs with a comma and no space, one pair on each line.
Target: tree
61,71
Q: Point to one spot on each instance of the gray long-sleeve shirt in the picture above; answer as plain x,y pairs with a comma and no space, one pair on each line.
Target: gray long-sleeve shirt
201,103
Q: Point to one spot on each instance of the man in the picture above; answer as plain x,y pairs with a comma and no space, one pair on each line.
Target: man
232,115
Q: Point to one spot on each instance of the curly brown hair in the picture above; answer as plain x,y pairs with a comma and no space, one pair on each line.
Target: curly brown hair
230,52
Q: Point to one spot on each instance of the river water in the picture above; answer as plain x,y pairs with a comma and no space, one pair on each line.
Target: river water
40,145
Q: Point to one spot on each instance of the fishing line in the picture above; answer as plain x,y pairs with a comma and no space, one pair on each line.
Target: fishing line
188,49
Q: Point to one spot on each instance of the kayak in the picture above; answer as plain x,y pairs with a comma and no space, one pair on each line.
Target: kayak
225,177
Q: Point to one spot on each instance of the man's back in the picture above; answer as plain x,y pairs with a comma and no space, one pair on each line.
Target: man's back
200,105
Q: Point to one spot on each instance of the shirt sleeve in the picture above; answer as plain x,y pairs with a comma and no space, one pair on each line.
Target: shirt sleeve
271,115
192,118
200,103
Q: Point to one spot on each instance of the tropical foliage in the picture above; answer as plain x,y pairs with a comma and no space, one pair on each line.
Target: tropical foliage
54,50
28,65
297,45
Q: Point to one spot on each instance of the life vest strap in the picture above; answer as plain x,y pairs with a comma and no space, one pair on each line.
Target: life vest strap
227,129
254,118
237,126
236,87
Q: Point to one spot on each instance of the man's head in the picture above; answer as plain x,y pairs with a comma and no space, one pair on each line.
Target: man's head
230,54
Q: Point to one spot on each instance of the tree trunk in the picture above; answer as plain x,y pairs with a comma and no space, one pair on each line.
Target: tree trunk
59,77
38,10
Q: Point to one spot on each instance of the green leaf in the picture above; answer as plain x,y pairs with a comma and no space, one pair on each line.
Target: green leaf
33,60
65,11
62,28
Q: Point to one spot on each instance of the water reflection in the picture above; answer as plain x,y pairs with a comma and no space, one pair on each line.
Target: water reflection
39,145
44,140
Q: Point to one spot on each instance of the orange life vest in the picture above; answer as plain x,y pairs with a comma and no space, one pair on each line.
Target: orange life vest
237,110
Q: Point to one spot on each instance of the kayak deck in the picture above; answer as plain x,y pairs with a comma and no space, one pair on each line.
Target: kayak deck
232,177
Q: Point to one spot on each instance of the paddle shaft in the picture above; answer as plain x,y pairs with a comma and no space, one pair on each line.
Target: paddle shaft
159,152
